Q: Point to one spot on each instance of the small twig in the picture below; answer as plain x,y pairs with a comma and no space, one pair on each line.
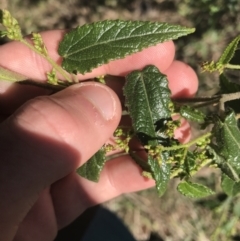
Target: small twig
224,208
232,66
203,104
197,99
113,156
51,61
188,144
227,97
44,85
49,86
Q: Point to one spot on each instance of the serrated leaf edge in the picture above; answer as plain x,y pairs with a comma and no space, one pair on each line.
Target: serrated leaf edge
87,70
224,59
179,188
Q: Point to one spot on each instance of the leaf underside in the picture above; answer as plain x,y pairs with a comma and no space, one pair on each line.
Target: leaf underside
92,45
92,168
227,149
194,190
160,173
230,187
11,76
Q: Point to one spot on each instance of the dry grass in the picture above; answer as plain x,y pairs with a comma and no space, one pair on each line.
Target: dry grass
172,217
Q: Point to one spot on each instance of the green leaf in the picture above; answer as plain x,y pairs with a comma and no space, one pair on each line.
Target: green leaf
229,52
194,190
147,98
92,45
230,187
148,101
192,114
8,75
160,172
227,137
92,168
189,163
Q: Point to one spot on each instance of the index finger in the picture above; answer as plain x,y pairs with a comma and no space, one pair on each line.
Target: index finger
19,58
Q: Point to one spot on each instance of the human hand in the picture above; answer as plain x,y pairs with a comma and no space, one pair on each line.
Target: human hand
46,138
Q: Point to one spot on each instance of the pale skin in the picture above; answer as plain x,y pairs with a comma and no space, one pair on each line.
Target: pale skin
44,138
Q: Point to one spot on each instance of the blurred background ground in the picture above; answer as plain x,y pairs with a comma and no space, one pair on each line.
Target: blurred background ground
172,217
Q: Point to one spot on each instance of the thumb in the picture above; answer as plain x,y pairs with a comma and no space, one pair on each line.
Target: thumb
48,138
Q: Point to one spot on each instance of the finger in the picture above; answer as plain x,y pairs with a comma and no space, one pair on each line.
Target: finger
183,81
48,138
182,133
122,174
72,195
40,222
19,58
12,96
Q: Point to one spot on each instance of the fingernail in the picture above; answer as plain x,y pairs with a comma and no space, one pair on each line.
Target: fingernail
101,97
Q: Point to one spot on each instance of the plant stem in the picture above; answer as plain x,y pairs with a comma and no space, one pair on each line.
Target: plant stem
51,61
232,66
198,102
112,156
200,166
44,85
203,104
223,218
187,145
197,99
228,97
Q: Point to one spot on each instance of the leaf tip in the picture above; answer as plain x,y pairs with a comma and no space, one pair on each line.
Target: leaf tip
192,30
194,190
